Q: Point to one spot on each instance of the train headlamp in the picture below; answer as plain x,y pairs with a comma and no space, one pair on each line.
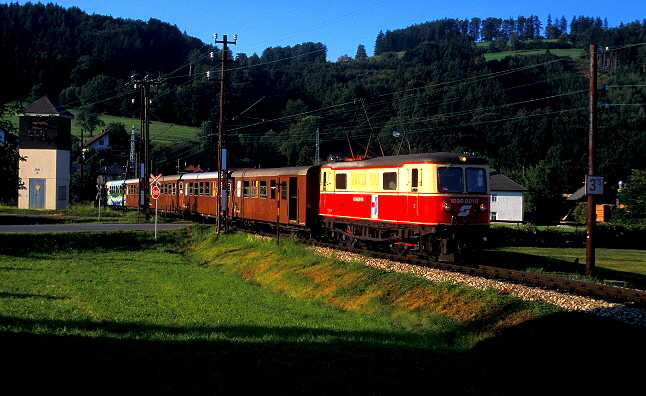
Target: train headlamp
446,206
483,207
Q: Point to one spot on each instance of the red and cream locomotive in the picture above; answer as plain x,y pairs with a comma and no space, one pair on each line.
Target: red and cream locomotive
434,204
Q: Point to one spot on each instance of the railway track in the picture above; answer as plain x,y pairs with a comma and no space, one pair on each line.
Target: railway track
630,297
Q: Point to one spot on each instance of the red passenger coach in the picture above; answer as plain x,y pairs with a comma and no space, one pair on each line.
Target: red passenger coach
435,203
189,193
285,196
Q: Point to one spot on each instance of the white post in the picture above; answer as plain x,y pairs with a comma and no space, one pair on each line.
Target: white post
156,218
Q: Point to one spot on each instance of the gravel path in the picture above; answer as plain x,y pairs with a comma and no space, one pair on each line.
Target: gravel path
566,301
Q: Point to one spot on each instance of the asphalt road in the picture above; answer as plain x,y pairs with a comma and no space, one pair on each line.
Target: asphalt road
88,227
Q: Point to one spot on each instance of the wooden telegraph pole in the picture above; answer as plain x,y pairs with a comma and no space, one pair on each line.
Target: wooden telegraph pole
589,246
222,182
144,144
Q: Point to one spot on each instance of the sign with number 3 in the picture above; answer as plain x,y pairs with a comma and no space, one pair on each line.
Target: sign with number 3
594,185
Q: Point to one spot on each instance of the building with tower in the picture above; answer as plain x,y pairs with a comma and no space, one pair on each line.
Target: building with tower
45,141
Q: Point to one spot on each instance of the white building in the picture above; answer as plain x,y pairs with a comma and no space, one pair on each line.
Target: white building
507,199
45,130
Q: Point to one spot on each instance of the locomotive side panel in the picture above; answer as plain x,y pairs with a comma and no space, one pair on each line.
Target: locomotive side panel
422,193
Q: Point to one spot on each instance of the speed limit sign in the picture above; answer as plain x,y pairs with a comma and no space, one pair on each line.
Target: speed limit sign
594,185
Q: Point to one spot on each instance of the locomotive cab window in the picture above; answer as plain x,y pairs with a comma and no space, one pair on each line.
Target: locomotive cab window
449,179
476,180
390,180
341,181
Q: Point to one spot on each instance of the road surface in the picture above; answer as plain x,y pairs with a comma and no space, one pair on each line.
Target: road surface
89,227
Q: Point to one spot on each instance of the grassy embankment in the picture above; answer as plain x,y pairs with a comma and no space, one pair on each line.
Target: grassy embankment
200,313
160,132
78,213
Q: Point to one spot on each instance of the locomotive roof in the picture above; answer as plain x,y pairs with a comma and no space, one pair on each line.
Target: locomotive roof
269,172
399,160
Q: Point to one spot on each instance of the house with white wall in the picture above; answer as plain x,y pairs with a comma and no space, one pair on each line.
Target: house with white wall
507,199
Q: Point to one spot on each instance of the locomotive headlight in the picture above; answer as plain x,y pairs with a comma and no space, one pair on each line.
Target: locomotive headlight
446,206
483,207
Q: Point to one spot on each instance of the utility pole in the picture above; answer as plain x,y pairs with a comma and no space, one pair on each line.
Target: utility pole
318,144
222,171
144,146
592,218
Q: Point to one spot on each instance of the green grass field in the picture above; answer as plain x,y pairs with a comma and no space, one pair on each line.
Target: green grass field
568,52
620,267
197,313
160,132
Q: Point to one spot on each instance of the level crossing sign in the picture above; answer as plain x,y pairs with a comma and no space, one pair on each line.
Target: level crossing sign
155,179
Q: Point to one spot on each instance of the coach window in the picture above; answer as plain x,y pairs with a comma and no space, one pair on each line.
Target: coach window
207,189
414,179
476,180
272,189
324,180
283,190
245,189
341,181
201,188
390,180
196,189
263,189
181,188
449,179
254,189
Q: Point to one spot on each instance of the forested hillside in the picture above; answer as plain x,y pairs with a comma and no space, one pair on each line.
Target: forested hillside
430,82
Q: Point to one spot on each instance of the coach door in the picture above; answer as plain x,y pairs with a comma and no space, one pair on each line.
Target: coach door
36,193
414,184
293,199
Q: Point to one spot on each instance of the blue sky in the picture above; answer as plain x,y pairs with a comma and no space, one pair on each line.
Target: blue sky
340,25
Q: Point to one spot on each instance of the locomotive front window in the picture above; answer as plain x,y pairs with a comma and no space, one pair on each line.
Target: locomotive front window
449,179
476,180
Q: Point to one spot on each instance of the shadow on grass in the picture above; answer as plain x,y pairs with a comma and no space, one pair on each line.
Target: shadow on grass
528,358
521,262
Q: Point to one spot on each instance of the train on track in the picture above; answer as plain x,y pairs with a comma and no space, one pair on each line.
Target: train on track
434,205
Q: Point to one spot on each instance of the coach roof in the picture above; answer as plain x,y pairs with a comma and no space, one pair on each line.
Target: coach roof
270,172
399,160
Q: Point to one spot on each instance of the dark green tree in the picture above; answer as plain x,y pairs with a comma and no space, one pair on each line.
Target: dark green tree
9,158
634,194
361,52
88,120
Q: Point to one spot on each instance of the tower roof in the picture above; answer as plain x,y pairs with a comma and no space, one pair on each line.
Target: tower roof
47,107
